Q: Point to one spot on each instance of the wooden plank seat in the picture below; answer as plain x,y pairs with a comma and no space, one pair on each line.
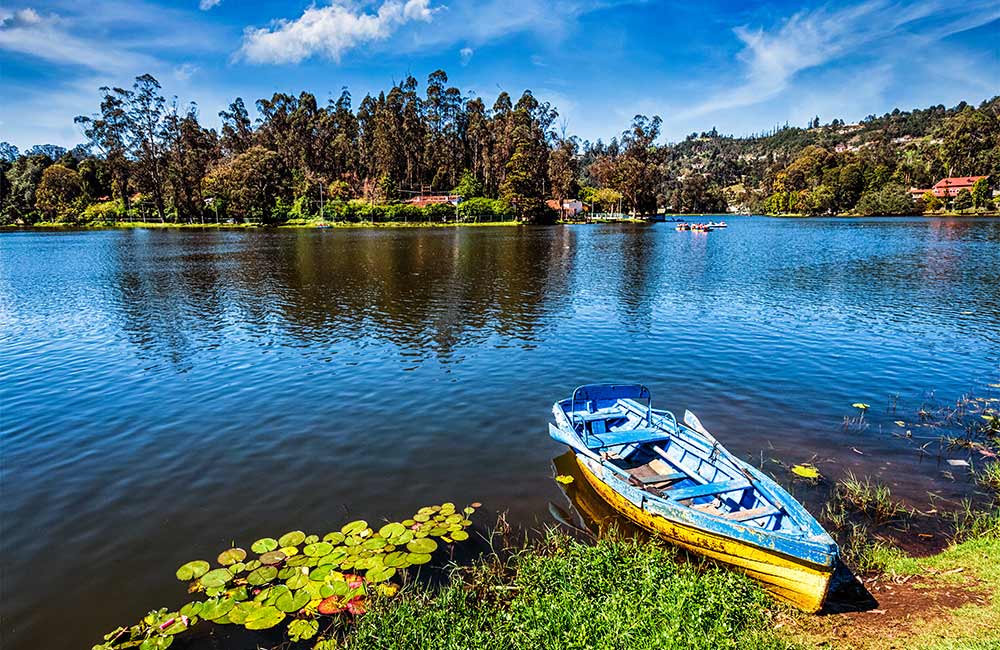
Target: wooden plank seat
673,477
601,415
708,489
752,513
630,437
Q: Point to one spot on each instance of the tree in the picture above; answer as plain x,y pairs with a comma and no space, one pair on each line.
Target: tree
8,152
60,194
248,184
23,178
980,193
931,202
963,200
145,111
109,133
562,171
469,186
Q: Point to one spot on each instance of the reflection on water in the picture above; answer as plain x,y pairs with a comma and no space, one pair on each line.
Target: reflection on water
593,512
165,393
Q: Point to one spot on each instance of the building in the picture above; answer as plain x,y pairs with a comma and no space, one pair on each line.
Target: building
569,208
432,199
947,188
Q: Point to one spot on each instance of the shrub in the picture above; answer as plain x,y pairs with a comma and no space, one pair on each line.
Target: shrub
103,212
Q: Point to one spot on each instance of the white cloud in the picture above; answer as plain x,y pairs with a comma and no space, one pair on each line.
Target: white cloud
465,55
205,5
772,58
330,31
185,71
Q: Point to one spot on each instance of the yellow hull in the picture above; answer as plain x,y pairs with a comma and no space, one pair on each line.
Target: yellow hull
801,584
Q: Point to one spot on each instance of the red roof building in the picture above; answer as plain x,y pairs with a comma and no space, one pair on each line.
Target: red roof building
949,187
425,200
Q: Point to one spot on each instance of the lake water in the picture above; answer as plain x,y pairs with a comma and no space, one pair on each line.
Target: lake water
166,392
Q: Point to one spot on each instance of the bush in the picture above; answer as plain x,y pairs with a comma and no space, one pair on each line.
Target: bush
891,200
483,209
103,212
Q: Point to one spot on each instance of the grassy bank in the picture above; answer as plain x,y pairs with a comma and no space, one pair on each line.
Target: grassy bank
622,593
561,593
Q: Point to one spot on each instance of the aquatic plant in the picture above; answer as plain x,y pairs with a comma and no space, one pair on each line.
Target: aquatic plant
310,583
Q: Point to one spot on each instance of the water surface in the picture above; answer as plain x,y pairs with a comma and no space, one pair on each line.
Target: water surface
166,392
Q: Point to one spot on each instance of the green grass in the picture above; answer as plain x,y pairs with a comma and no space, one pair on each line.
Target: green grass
617,595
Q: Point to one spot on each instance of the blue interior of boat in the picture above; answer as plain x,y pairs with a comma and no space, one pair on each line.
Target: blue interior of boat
668,459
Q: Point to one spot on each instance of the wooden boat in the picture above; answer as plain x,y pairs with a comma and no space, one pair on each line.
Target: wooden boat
717,224
679,482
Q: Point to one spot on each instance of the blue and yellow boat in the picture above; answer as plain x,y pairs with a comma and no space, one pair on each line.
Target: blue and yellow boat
677,481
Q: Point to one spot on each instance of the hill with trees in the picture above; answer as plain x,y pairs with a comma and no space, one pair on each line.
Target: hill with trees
147,158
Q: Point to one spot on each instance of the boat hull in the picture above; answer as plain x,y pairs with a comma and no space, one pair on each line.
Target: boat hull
798,582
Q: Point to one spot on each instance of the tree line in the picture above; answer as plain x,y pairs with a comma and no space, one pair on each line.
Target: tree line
149,158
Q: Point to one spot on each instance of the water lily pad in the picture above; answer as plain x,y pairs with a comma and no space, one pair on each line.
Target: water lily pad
293,538
303,629
263,618
321,572
156,643
216,578
861,405
402,538
272,557
317,549
332,605
805,470
264,544
240,611
263,575
251,565
334,538
239,594
354,527
192,609
298,560
379,574
292,601
336,555
193,570
391,530
374,544
215,608
418,558
231,556
460,535
311,539
297,581
289,551
469,510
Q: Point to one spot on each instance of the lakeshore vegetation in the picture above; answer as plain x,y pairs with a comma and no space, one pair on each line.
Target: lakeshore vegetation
149,159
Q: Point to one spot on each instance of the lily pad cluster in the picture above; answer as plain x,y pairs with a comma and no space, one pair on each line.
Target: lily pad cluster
313,583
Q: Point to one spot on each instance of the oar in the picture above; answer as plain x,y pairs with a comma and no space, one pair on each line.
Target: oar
574,442
692,421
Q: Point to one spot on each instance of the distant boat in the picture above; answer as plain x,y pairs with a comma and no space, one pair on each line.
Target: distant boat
717,224
679,482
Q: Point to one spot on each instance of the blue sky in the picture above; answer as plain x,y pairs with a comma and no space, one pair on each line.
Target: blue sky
742,67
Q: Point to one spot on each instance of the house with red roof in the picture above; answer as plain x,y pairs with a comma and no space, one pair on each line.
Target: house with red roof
948,188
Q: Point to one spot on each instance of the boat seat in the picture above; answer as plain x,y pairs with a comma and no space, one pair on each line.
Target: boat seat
629,437
753,513
719,487
601,415
663,478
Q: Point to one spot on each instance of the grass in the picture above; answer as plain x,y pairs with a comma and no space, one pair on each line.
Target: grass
560,593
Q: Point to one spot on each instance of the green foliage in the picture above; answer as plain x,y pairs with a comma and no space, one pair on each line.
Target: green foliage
963,200
890,200
564,594
318,580
103,212
483,209
981,193
469,186
931,201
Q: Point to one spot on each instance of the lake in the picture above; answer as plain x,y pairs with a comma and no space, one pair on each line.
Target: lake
165,392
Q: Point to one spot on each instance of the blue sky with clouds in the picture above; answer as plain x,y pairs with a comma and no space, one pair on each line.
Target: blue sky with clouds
739,66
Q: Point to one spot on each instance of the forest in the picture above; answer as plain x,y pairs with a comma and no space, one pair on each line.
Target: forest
148,158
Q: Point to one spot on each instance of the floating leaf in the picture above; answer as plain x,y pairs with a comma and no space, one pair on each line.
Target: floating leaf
293,538
298,580
264,544
157,643
216,578
191,609
193,570
354,527
292,601
240,611
334,538
263,618
215,608
460,535
565,479
272,557
263,575
317,549
231,556
379,574
861,405
302,629
418,558
311,539
392,530
332,605
805,470
374,544
423,545
289,551
900,423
